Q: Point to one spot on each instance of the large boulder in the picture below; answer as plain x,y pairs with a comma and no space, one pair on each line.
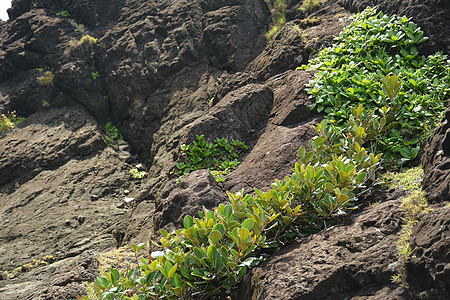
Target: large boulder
197,190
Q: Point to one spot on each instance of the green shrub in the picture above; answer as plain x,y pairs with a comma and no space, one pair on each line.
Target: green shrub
352,71
220,157
112,134
9,120
212,252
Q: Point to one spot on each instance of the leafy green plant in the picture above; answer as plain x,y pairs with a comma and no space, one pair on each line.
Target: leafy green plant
212,252
375,61
137,174
220,157
95,75
9,120
64,13
278,12
112,134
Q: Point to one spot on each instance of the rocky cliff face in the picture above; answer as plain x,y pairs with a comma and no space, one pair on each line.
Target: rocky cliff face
170,70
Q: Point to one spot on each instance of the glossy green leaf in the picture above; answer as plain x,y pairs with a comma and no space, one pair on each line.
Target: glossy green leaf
188,221
215,236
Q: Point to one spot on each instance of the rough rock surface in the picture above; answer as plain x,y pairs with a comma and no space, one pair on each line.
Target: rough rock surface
429,268
62,194
197,190
436,162
65,283
171,69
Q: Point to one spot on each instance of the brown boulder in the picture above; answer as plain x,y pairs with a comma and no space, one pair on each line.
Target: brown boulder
197,190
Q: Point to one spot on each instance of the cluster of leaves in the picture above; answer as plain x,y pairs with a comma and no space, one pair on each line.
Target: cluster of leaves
112,134
9,120
220,157
212,252
278,12
46,79
137,174
352,72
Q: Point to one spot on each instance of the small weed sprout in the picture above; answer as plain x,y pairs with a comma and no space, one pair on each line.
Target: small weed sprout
64,13
46,79
95,75
112,134
9,120
400,279
45,103
79,27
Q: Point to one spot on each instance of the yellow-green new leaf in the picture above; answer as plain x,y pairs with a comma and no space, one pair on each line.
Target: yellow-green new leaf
172,271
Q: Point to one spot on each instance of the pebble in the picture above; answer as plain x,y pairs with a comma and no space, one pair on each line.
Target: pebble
128,200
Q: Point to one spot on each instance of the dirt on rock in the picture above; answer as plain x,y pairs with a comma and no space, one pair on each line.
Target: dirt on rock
164,71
